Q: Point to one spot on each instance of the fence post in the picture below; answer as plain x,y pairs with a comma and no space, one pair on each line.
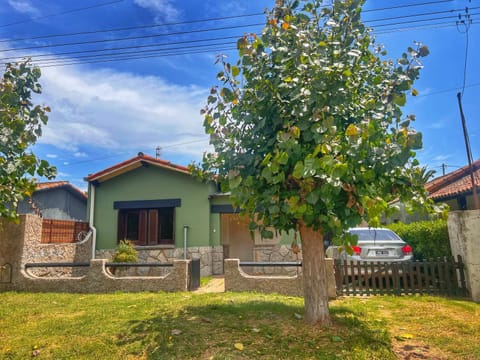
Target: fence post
194,274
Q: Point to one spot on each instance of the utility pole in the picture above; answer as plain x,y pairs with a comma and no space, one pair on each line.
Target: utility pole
469,153
443,169
158,150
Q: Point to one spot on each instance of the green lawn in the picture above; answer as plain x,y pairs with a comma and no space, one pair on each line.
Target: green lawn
232,326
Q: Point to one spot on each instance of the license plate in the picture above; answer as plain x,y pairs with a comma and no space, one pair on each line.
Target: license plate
381,252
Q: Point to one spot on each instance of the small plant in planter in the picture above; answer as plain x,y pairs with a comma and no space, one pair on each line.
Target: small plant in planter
124,253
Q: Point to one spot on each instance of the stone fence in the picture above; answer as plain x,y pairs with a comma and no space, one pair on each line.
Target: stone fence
21,244
98,280
237,280
464,234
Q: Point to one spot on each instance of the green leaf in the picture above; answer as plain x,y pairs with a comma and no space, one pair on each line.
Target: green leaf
283,158
235,71
298,170
233,183
399,99
227,94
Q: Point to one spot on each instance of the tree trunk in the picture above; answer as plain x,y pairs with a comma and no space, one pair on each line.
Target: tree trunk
314,276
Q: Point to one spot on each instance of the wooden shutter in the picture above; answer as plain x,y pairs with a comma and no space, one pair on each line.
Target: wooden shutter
153,227
142,227
121,226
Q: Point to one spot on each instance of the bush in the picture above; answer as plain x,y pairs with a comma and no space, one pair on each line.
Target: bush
429,239
125,252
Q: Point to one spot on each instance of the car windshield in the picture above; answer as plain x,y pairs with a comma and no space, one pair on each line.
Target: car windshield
374,234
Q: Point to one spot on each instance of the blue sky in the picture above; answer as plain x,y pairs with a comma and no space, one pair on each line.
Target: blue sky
104,112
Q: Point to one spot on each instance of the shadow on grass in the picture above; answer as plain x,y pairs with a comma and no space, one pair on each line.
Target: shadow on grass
265,329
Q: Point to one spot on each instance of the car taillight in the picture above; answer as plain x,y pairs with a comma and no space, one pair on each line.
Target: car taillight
407,250
356,249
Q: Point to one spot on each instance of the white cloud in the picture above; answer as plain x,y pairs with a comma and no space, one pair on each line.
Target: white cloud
24,7
440,158
80,154
105,110
163,10
51,156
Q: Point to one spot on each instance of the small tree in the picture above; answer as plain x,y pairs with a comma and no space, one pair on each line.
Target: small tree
21,123
308,130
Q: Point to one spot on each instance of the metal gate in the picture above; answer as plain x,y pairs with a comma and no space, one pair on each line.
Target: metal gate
434,277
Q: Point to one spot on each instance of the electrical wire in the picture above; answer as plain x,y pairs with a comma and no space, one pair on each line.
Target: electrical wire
188,32
126,47
416,15
126,152
142,27
134,37
139,57
406,6
167,51
196,21
62,13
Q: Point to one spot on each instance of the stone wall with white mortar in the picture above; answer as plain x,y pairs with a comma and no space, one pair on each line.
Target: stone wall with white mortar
211,259
237,280
20,244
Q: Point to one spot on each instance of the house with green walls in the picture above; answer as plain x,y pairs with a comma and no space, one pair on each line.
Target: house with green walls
169,214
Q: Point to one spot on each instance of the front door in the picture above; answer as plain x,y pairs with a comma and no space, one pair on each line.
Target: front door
236,238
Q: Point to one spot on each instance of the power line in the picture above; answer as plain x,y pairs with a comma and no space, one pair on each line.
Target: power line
134,37
52,61
420,20
160,52
126,47
132,28
448,90
188,22
435,25
158,35
139,57
415,15
406,6
466,22
132,57
126,152
62,13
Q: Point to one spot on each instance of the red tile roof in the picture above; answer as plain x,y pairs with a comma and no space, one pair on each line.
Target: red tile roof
134,163
43,186
457,182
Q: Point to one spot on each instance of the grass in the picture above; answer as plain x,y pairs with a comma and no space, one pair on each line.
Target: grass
233,326
204,280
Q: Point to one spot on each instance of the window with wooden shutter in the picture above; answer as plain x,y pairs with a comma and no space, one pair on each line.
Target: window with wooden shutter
147,226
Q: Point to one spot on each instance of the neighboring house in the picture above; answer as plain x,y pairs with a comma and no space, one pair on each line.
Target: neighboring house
455,188
163,210
58,200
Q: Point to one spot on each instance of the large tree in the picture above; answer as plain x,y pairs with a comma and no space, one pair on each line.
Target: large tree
309,133
21,123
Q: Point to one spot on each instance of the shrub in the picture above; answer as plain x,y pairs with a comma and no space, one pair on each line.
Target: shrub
429,239
125,252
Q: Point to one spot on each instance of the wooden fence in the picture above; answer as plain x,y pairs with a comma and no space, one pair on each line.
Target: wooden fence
435,277
63,231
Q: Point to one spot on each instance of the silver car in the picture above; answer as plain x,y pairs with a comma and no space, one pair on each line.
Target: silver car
374,244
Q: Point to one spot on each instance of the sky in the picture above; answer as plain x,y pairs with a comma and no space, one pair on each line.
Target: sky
129,76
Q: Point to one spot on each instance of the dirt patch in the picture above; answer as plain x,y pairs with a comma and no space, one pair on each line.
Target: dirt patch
216,285
416,350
